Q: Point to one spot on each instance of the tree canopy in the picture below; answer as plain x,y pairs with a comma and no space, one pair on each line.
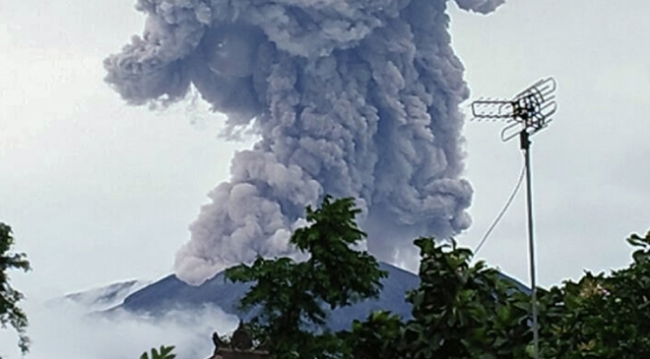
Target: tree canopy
601,315
460,309
10,313
292,297
162,353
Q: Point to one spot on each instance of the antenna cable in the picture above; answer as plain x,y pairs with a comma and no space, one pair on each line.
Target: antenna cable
503,210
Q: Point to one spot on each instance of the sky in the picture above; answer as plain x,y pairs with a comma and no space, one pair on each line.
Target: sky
98,191
590,172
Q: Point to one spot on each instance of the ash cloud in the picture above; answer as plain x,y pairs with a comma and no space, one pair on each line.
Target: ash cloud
349,97
480,6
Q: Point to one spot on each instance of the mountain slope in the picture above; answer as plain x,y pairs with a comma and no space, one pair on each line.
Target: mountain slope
106,297
170,293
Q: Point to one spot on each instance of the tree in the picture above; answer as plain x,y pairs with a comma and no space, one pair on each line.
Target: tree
10,313
601,316
462,310
459,311
163,353
470,311
292,298
378,337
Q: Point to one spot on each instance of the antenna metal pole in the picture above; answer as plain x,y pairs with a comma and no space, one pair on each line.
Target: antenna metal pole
525,146
530,111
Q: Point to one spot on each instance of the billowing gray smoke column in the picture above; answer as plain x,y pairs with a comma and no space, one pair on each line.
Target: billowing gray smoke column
350,97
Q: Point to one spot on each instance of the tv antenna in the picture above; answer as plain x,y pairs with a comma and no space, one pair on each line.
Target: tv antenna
525,114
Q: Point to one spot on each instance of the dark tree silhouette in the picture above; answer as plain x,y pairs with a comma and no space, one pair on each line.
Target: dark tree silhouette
10,313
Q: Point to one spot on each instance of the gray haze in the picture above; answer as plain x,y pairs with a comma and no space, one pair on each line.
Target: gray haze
350,98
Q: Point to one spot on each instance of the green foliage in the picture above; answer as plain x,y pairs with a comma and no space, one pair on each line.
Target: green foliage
291,294
601,316
10,313
469,311
376,338
462,310
459,310
340,276
163,353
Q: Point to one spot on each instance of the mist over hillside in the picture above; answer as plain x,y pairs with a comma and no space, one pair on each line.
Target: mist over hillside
170,294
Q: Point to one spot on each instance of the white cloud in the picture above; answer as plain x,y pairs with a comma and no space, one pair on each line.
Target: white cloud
68,331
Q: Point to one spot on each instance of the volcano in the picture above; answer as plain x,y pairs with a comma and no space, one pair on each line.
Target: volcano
171,294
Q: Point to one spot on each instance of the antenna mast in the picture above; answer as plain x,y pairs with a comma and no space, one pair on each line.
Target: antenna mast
527,113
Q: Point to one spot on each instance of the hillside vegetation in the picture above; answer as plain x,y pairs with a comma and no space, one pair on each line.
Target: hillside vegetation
460,310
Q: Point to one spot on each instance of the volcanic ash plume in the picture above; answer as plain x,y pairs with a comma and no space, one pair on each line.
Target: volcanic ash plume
350,97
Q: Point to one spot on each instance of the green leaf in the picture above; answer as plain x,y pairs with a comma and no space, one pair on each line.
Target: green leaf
10,313
291,296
